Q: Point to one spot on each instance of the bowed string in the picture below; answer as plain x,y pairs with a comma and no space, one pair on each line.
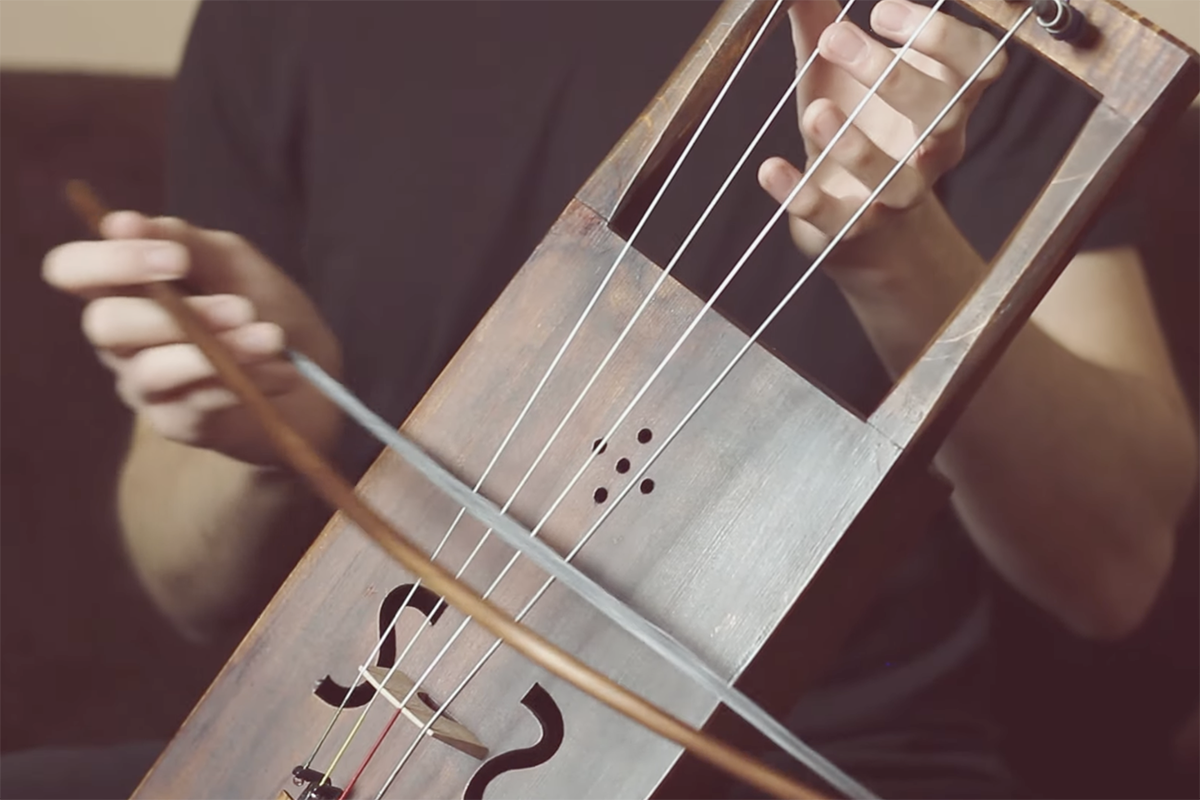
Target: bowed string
326,482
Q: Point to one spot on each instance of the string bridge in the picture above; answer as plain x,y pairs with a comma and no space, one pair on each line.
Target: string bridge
420,708
316,786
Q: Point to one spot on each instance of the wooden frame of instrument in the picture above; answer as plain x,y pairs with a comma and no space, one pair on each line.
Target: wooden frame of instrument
1142,76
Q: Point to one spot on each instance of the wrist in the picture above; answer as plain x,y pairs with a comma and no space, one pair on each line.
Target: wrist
905,279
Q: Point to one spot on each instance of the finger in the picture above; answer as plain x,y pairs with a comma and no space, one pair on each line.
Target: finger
812,205
171,367
132,225
196,413
807,20
127,324
218,258
956,47
854,152
85,268
273,378
908,90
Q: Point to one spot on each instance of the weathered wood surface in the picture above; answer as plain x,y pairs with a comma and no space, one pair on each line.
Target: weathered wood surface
746,505
1133,65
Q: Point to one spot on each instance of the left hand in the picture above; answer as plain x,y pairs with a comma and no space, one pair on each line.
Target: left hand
942,57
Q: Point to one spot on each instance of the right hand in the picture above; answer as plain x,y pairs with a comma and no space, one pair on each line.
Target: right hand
945,53
253,307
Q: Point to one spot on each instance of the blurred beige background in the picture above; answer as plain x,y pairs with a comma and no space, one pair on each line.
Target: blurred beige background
143,37
1180,17
147,36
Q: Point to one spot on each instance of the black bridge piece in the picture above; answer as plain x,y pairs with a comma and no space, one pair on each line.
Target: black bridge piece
317,788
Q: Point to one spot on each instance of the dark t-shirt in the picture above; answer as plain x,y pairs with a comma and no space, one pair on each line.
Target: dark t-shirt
402,160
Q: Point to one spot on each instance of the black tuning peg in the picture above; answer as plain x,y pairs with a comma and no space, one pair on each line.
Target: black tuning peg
1064,22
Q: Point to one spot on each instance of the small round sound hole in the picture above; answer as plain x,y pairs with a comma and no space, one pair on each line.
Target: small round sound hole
647,486
600,495
645,435
623,466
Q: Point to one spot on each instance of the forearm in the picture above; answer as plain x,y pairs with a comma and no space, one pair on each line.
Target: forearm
1071,477
209,536
1068,473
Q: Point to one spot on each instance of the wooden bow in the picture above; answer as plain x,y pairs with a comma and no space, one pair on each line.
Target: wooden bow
339,493
873,467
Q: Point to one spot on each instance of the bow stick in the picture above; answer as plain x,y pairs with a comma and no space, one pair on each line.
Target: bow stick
304,459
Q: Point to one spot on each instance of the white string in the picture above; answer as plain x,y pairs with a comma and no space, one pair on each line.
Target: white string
764,324
629,327
785,98
542,383
645,303
720,378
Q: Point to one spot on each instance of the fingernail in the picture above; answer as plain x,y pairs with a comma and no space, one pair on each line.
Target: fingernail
846,43
891,17
165,260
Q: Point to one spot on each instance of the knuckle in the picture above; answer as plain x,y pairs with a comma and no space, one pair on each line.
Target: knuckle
937,35
172,225
893,84
911,188
902,87
229,307
809,204
985,41
955,119
163,369
995,68
854,150
173,421
941,153
228,240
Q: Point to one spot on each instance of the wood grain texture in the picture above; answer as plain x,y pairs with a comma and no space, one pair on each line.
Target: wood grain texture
928,397
1133,65
1144,79
717,553
772,479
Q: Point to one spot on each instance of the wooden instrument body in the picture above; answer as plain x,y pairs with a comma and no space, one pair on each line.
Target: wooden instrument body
755,495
